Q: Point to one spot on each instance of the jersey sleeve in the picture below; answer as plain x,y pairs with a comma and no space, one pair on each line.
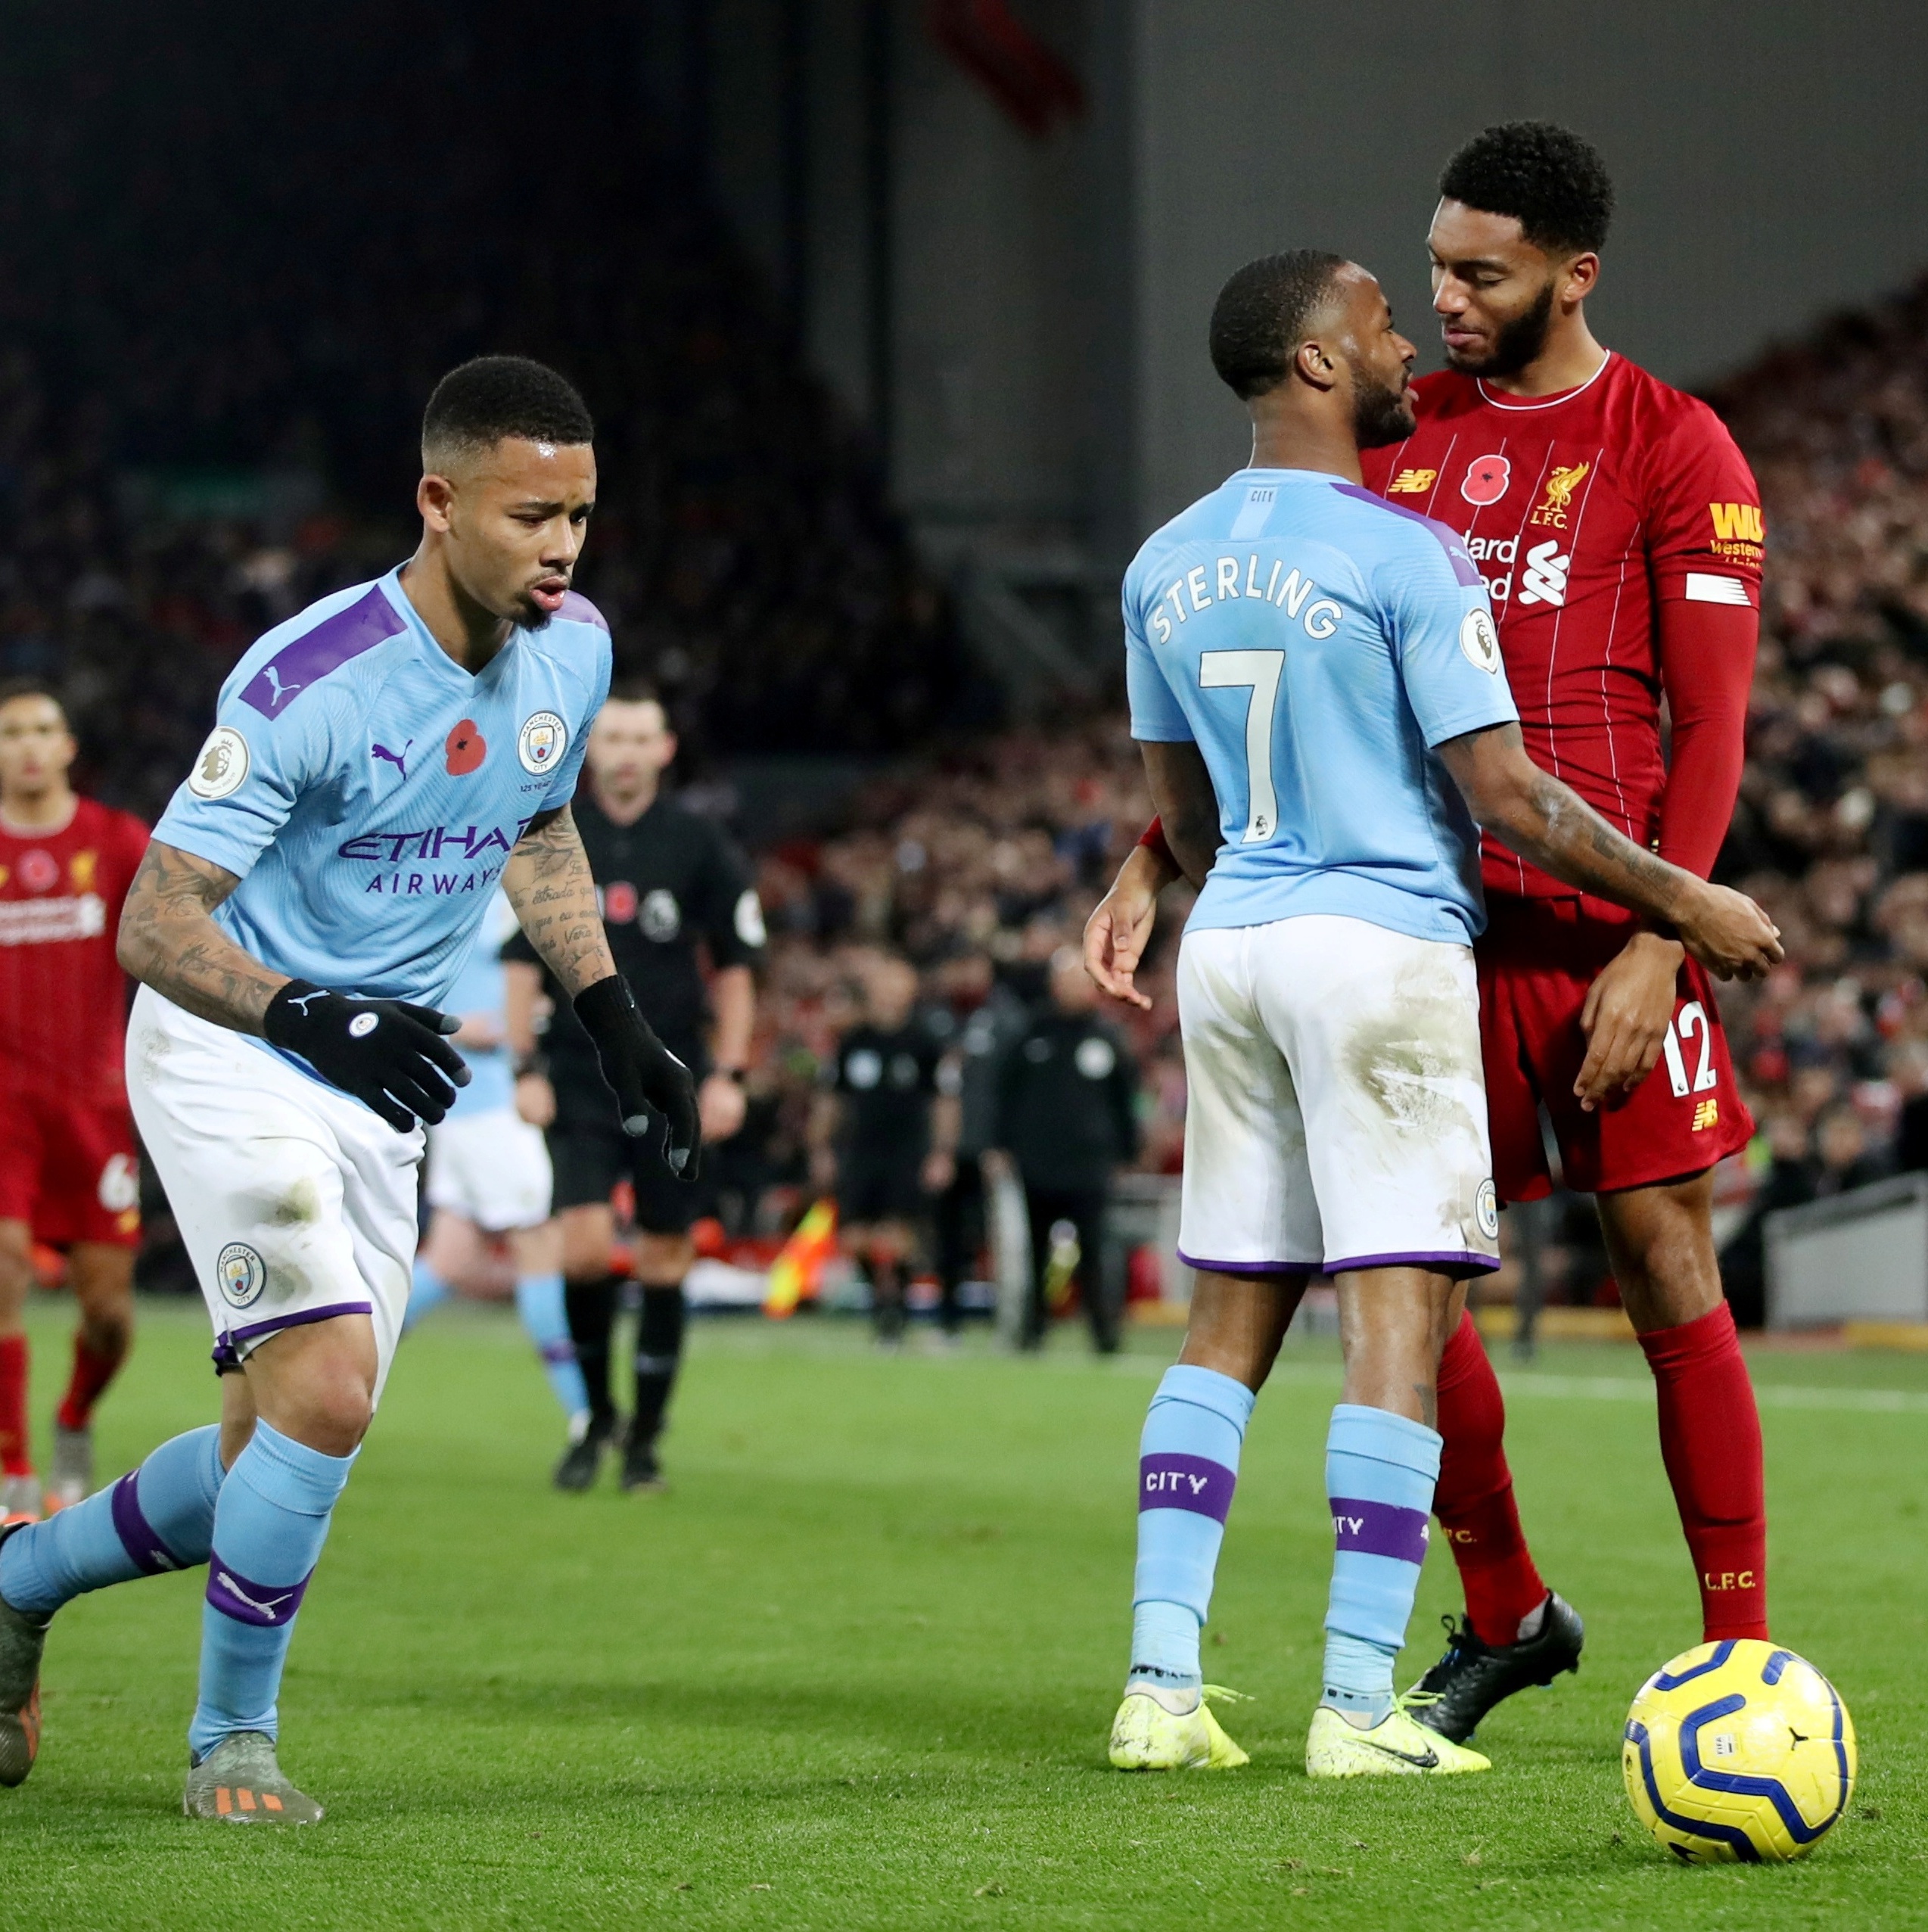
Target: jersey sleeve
731,915
1157,716
1443,639
1705,537
563,787
245,780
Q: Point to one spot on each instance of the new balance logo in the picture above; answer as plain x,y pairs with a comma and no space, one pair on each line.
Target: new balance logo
279,691
1543,580
398,759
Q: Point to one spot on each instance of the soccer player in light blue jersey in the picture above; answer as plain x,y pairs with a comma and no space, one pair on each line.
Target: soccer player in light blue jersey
489,1173
378,763
1316,686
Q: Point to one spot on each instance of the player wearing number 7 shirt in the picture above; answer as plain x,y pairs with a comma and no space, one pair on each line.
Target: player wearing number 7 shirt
1619,534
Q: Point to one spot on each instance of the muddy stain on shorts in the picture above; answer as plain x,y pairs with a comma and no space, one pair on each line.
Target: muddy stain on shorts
1415,1055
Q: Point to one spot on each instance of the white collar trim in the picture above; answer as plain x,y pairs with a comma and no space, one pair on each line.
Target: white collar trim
1500,401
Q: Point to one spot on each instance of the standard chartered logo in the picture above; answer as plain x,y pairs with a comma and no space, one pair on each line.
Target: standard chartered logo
1543,577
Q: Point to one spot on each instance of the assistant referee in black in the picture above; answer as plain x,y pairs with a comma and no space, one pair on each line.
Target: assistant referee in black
670,882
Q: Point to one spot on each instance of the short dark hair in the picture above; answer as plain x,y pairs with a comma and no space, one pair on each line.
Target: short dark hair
1262,314
1551,181
635,690
28,686
474,407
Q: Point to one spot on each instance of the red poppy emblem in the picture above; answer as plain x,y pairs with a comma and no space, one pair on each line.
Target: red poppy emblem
1485,480
467,749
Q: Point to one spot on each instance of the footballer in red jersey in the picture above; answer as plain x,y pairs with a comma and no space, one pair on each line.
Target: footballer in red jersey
1619,532
69,1174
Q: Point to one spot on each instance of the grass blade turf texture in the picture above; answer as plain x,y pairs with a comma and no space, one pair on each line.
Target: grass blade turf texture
856,1669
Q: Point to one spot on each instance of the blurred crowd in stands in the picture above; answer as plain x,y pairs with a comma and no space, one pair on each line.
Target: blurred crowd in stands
203,425
202,428
1831,833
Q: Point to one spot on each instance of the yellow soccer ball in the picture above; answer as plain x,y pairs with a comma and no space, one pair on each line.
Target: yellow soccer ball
1738,1750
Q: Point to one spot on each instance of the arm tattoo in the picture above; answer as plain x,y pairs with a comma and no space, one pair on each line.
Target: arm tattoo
548,883
169,941
1586,852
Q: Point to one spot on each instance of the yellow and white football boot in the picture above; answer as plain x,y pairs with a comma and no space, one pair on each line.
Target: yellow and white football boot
1160,1730
1395,1748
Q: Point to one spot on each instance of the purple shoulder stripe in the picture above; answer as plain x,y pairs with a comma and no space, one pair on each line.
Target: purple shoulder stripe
368,621
1463,571
578,609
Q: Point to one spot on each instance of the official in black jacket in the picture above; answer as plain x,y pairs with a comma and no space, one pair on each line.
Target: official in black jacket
1068,1119
673,888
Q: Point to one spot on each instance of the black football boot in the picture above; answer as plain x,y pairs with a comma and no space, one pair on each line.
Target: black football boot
1458,1691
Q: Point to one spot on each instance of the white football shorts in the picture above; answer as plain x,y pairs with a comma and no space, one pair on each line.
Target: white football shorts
295,1202
1335,1113
492,1169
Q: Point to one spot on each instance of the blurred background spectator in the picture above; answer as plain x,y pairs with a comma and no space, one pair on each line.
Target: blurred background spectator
202,427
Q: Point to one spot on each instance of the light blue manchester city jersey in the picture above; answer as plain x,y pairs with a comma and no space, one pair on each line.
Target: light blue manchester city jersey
1316,643
367,790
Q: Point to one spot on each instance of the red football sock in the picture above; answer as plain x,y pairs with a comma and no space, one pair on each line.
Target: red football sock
92,1373
1710,1440
1474,1502
14,1459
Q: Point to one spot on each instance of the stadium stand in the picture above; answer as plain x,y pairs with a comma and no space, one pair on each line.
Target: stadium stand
228,436
202,428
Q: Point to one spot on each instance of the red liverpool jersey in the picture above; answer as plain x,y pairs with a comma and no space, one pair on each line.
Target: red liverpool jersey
1586,513
63,996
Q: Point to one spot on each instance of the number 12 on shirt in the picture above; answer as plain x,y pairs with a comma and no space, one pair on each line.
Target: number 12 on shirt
1259,672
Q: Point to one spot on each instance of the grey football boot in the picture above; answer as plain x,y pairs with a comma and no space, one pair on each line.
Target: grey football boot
21,1639
240,1782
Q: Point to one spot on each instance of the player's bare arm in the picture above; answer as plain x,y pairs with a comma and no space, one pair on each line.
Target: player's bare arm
1544,821
1629,1008
733,997
1120,927
169,941
548,883
1187,805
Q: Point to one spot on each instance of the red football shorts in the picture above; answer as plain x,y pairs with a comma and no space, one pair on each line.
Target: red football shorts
67,1168
1537,958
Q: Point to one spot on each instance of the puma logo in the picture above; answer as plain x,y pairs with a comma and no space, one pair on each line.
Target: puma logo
398,759
234,1590
279,690
306,999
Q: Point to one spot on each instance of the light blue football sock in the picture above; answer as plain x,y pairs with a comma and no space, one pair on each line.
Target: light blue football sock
539,1302
1188,1467
269,1526
158,1517
427,1290
1381,1471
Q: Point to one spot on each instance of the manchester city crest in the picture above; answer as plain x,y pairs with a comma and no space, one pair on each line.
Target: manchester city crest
243,1275
543,740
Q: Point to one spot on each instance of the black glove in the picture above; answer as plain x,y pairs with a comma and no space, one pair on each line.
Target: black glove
643,1071
392,1056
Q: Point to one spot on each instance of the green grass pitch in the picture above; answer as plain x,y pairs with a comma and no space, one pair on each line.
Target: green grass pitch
856,1669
